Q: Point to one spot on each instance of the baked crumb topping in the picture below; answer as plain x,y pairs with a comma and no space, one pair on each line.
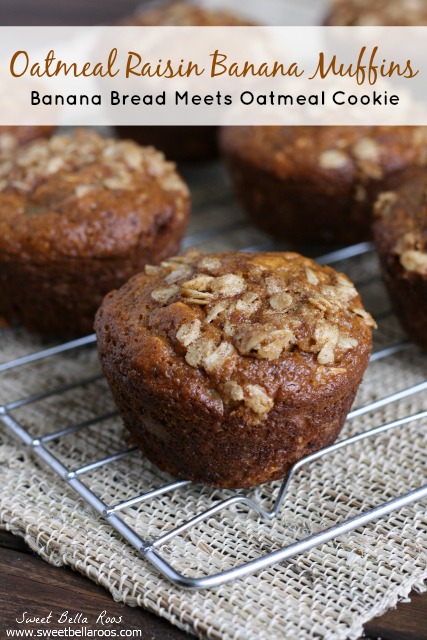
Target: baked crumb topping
363,154
384,203
88,163
404,214
411,255
261,306
8,142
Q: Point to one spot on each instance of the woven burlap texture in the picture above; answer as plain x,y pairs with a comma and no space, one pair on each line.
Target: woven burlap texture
328,592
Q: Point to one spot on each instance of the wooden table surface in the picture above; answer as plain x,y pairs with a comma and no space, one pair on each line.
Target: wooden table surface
29,584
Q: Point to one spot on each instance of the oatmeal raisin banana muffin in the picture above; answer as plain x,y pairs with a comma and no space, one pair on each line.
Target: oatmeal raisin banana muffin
361,13
79,215
228,368
400,232
318,184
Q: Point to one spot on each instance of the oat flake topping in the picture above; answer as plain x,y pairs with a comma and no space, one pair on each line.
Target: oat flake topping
270,306
89,162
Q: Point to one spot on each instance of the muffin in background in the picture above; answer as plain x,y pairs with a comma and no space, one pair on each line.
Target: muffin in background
79,215
228,368
318,184
183,14
360,13
400,231
13,137
181,143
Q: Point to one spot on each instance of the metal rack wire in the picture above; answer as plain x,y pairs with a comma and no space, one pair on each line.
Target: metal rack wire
151,550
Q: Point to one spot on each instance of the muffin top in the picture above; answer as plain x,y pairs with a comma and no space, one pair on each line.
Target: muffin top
401,222
239,329
350,153
84,195
13,137
182,14
381,12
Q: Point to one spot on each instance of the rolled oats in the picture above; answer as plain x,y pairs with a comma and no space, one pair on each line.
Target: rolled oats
228,285
311,276
281,301
211,265
413,260
260,316
384,203
119,165
333,159
257,399
199,350
164,294
232,392
189,332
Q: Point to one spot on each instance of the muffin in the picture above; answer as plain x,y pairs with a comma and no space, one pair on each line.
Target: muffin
318,184
228,368
400,232
360,13
182,143
79,215
183,14
13,137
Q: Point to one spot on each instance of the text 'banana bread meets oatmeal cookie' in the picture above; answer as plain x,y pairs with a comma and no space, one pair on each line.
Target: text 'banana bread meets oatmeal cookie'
79,215
228,368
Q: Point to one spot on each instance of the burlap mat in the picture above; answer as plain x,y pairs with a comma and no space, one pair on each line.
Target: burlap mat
326,593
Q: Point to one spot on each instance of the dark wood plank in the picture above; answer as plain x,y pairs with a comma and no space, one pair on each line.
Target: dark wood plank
407,622
29,584
9,541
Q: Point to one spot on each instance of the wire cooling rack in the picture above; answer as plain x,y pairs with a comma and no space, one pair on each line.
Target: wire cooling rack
151,549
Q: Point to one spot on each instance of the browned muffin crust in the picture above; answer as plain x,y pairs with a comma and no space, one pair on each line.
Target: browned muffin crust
400,232
13,137
318,184
347,13
79,216
227,368
180,143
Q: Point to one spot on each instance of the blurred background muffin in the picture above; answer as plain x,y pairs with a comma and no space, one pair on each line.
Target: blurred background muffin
318,184
360,13
79,215
13,137
400,232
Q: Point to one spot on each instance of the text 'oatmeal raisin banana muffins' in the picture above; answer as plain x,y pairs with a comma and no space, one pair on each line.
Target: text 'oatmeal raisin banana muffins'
400,232
79,215
228,368
318,184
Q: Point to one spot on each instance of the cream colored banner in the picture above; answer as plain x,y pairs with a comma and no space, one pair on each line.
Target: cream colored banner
213,75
